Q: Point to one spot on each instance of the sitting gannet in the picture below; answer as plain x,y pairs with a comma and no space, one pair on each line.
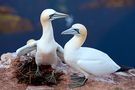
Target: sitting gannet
27,52
48,50
84,59
30,41
30,46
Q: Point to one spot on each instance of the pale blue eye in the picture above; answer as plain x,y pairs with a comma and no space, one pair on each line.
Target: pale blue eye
77,30
50,16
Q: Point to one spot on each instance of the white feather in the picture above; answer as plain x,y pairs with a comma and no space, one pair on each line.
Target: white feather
84,59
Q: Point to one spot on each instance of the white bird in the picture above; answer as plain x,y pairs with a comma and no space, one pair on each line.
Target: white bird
48,50
30,46
84,59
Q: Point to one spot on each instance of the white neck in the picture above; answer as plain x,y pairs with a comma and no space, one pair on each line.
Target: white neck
75,43
47,33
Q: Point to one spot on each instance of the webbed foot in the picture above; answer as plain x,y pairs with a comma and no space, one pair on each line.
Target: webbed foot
38,73
51,78
77,81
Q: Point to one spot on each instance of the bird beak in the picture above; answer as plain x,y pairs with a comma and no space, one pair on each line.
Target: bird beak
58,15
70,31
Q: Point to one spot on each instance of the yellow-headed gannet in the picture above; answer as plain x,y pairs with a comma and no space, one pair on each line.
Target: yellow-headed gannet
30,41
84,59
48,50
33,52
30,46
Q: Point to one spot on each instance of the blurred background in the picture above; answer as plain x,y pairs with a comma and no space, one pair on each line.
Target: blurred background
110,24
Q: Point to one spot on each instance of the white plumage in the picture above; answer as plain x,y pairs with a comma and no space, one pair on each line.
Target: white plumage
48,51
96,62
84,59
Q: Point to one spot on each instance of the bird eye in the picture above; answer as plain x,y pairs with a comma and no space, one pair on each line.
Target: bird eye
77,30
50,16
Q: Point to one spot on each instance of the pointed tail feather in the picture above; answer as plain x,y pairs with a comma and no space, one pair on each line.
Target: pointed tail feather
124,68
126,71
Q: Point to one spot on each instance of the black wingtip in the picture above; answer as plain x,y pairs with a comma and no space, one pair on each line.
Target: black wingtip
124,68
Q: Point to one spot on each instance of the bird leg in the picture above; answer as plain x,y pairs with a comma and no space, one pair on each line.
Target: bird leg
38,73
52,78
77,81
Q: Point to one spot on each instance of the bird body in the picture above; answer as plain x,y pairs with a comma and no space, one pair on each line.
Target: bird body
46,46
84,59
87,60
48,51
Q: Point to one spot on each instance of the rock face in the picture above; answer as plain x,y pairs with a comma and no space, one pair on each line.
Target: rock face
9,82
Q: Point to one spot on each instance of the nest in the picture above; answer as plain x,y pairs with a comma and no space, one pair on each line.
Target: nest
25,73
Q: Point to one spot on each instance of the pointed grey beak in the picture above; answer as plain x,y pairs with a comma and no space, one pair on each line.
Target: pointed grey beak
70,31
58,15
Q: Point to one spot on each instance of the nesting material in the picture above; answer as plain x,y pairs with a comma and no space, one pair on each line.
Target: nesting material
25,73
6,59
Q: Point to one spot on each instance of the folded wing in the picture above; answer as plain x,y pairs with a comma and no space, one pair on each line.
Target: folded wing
98,66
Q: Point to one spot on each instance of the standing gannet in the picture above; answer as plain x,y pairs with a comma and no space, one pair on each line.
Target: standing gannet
48,50
84,59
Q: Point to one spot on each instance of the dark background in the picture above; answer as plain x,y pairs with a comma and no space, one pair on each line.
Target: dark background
110,24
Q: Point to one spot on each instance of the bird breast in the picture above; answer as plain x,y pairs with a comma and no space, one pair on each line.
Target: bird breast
69,57
46,54
46,58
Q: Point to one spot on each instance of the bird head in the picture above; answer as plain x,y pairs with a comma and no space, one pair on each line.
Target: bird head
76,30
30,41
50,14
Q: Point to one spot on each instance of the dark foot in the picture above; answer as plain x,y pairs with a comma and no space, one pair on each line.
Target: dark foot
51,78
38,73
74,77
78,82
